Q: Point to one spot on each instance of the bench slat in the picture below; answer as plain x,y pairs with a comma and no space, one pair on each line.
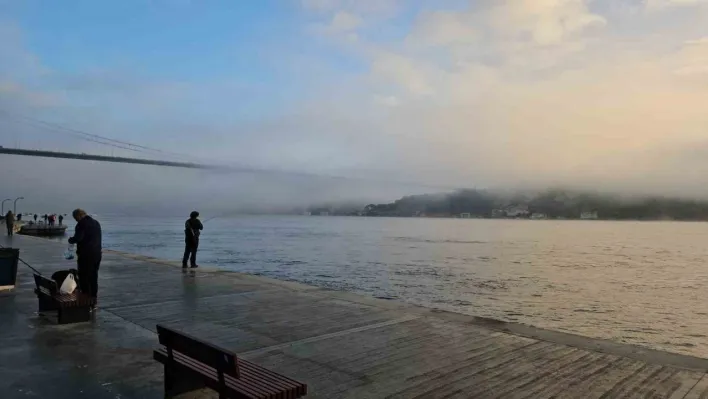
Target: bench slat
258,377
289,382
254,381
248,382
231,383
235,384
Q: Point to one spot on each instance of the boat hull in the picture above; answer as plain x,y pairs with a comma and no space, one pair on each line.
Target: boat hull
42,231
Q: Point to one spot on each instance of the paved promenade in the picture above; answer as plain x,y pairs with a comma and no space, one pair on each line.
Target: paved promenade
343,345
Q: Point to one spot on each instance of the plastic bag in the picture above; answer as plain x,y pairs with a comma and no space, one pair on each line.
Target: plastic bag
69,253
69,285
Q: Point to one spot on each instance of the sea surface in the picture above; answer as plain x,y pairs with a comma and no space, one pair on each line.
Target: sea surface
642,283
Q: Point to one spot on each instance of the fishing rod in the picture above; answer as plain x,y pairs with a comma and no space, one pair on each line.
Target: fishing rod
213,217
217,216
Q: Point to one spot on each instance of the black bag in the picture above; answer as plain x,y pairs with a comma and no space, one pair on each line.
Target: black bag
60,276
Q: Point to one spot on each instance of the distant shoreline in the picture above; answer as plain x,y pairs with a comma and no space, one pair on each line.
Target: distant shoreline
552,204
485,218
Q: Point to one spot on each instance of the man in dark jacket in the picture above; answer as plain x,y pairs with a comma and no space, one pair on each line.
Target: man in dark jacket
192,229
88,251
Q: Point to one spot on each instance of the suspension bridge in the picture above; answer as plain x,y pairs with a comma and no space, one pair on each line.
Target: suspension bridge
143,150
102,158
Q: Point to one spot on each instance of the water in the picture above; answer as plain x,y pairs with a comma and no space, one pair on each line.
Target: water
634,282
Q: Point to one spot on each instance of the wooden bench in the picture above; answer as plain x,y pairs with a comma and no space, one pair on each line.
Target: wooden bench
71,308
191,364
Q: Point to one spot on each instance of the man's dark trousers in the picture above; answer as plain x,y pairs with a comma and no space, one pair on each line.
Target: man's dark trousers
190,248
88,275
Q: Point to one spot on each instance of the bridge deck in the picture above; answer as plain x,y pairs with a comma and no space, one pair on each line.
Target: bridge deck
342,345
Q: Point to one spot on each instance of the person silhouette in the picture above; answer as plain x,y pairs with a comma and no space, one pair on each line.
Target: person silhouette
192,230
10,223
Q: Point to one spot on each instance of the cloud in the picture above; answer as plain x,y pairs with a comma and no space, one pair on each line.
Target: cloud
359,7
489,94
547,22
20,73
402,71
341,22
692,58
654,5
15,60
443,28
388,101
13,94
534,93
321,5
344,22
699,42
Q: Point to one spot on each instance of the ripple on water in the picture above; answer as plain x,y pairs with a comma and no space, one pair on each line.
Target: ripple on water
511,313
432,241
592,310
650,331
489,285
680,344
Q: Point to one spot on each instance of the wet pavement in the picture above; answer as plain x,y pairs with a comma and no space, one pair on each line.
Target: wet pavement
341,344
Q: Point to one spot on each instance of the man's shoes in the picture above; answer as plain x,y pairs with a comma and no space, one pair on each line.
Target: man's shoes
184,266
194,266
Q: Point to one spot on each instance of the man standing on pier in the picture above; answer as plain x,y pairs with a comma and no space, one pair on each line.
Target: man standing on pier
192,229
88,251
10,222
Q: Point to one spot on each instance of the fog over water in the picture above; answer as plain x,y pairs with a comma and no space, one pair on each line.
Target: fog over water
607,95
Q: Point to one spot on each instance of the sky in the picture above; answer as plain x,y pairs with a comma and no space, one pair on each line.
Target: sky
602,94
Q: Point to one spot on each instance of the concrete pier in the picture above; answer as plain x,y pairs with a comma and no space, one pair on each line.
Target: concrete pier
342,345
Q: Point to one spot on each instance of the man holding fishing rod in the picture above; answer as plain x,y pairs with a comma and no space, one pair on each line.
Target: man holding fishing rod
192,230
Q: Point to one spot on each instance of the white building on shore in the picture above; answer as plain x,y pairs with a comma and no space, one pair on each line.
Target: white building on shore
591,215
517,211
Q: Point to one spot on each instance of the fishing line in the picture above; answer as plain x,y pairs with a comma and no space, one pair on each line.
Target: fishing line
211,218
25,263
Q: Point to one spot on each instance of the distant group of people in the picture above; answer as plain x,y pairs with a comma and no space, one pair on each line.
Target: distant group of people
51,220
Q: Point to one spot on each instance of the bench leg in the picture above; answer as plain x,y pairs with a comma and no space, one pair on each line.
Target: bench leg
73,315
46,304
179,380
